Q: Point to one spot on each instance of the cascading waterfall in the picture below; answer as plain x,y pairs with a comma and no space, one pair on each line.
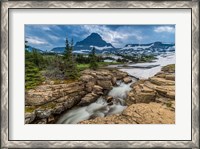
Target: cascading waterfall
100,108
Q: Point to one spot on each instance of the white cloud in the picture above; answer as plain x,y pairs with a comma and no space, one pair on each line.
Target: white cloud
115,37
52,37
46,28
164,29
36,40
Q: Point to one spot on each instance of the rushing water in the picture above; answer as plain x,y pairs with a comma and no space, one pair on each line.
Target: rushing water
100,108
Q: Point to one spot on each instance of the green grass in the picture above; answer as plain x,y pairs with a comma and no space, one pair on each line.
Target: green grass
82,67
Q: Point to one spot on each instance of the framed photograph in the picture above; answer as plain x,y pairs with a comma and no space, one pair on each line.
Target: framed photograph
103,74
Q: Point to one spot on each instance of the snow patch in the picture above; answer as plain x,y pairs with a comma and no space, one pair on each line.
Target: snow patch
141,73
101,48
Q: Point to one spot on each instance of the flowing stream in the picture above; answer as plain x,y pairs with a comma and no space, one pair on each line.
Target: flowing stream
100,108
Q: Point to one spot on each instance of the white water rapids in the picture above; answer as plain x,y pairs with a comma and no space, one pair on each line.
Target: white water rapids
100,108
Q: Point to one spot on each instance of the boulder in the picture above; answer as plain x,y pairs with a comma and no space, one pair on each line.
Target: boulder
89,86
43,113
130,98
105,84
29,117
58,109
97,90
87,78
102,76
70,102
87,99
127,80
141,94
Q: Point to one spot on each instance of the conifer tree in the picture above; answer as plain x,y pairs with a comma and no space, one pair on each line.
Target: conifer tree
32,74
26,45
93,60
66,48
71,69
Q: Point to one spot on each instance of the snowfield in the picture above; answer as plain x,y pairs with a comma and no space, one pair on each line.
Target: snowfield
143,73
137,47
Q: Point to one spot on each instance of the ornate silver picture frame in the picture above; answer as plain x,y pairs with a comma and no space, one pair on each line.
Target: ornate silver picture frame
7,6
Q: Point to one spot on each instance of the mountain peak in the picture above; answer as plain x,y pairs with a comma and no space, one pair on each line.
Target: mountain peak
94,39
95,34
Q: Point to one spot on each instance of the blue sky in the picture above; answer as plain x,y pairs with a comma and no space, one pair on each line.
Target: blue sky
46,37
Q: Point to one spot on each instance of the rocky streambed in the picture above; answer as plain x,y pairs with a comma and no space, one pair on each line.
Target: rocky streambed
105,96
47,102
112,103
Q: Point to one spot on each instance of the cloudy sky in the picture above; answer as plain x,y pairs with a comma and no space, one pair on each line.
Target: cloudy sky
46,37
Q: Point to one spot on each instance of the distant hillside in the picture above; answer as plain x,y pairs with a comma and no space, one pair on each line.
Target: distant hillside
85,46
147,49
30,49
102,47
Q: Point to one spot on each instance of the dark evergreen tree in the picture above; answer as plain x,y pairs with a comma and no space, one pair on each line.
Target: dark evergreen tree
93,60
26,45
67,48
71,71
32,74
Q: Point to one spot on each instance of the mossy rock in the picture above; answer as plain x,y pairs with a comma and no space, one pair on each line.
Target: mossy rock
169,68
30,109
49,105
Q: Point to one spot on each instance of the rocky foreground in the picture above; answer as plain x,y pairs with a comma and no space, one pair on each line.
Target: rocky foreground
45,103
151,101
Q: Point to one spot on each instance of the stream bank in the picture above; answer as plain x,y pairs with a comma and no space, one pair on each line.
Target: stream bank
47,102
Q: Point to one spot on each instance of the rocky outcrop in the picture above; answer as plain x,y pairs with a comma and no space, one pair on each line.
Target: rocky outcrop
159,88
151,101
142,113
47,93
47,101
